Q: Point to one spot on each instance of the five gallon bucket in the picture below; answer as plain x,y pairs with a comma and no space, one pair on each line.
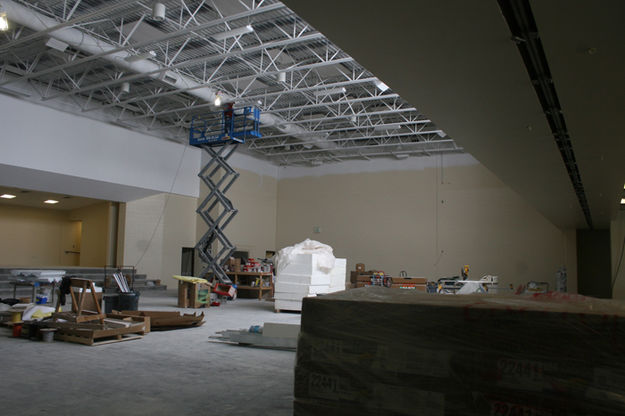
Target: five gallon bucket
47,334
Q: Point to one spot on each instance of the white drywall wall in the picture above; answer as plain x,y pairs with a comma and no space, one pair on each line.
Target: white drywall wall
47,141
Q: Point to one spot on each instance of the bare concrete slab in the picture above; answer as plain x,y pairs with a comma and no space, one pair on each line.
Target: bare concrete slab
178,372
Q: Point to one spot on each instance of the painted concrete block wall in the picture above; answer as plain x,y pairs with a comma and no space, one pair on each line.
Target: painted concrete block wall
253,229
143,235
31,236
45,141
428,221
38,237
95,233
155,230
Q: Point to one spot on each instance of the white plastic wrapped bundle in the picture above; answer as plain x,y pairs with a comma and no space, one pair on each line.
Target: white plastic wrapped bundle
323,254
304,270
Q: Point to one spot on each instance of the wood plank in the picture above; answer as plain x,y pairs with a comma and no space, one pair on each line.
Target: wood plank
126,338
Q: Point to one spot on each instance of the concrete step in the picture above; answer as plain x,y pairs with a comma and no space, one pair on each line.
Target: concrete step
141,281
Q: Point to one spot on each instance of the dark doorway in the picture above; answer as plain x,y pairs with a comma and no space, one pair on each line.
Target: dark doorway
594,274
186,268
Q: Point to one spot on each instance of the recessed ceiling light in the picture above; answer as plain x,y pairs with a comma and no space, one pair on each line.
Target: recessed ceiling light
7,196
50,201
623,201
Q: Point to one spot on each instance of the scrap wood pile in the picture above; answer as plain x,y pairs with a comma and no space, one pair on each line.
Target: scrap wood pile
97,328
99,331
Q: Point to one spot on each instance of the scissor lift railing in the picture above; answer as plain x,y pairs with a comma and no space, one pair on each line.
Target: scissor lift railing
219,135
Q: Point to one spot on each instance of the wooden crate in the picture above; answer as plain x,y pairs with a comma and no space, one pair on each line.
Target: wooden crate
189,295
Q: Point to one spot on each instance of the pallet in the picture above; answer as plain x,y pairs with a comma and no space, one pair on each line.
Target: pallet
92,342
112,330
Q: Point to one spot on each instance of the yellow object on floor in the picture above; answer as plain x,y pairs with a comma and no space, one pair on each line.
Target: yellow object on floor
190,279
16,316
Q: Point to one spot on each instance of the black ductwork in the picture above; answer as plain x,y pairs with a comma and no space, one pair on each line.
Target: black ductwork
520,19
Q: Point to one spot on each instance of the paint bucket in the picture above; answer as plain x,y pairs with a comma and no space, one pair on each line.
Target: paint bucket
47,334
16,316
17,330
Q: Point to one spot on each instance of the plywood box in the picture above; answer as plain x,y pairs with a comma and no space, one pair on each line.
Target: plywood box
396,352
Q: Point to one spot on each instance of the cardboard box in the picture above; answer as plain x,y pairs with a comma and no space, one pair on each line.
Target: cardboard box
410,280
413,286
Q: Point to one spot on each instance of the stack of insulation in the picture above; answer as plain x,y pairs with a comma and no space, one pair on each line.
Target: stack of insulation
306,272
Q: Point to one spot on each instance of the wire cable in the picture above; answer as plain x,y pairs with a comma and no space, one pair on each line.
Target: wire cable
160,217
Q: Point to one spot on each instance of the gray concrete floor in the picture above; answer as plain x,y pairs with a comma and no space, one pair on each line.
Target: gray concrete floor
178,372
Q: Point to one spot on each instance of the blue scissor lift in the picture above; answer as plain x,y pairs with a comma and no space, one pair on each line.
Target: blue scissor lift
219,134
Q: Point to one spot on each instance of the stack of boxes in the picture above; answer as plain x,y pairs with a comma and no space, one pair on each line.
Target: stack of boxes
401,352
361,278
302,278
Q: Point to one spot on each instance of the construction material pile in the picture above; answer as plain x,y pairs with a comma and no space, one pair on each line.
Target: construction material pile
305,270
399,352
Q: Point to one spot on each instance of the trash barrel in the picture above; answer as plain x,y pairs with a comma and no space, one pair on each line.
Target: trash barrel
128,301
121,302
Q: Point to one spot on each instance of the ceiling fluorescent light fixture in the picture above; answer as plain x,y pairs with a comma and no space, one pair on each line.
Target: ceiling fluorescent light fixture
402,155
386,127
50,201
332,91
140,56
7,196
4,22
232,33
381,86
56,44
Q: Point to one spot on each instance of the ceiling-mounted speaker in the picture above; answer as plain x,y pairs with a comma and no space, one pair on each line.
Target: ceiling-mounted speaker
158,12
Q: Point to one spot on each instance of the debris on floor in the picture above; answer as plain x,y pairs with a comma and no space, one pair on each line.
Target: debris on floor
91,333
165,320
271,335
